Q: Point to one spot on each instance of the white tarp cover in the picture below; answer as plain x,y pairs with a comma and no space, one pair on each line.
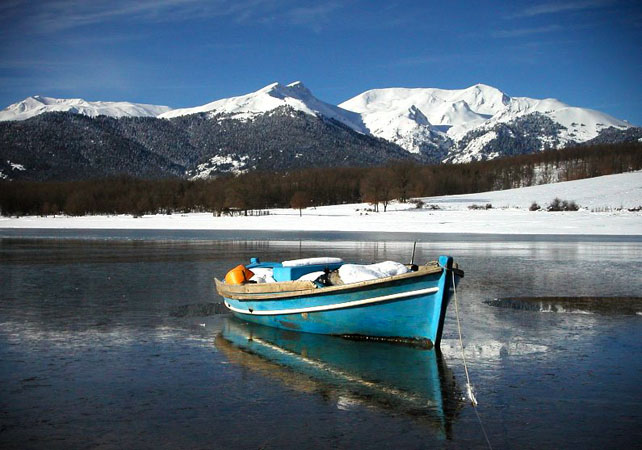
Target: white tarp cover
311,261
354,273
262,275
311,276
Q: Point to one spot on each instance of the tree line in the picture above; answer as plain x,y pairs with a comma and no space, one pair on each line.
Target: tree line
260,190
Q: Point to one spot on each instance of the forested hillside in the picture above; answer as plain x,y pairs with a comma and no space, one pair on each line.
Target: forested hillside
66,146
262,189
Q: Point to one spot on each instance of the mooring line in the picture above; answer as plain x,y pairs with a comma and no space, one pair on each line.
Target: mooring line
469,386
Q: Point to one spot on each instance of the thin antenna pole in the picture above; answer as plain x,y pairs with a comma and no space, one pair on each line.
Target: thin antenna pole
412,259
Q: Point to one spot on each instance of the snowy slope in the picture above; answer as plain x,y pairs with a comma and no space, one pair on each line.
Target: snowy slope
32,106
273,96
582,124
410,129
442,107
479,109
622,190
600,198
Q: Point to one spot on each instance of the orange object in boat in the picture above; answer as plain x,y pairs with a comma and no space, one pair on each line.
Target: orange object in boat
238,275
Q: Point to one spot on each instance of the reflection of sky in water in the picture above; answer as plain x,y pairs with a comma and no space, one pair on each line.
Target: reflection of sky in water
89,346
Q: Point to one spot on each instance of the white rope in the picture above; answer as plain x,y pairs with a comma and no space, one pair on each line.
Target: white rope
469,386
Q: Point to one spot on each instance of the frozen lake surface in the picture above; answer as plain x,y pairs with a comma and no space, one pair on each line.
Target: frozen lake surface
112,341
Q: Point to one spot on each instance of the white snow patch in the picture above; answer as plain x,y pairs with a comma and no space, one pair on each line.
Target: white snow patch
221,163
584,124
474,148
15,166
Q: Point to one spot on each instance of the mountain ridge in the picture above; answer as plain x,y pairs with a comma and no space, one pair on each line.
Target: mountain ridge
432,125
37,104
457,113
68,146
268,98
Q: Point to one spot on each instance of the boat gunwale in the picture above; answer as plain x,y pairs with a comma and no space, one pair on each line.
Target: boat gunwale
336,306
308,288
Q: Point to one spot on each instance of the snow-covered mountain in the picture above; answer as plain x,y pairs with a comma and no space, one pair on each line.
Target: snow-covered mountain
437,125
273,96
33,106
471,121
447,109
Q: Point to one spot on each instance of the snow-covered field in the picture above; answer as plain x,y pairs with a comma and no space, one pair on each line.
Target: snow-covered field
604,203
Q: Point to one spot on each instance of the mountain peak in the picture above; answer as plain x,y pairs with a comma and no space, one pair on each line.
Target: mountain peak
275,95
276,87
294,90
484,99
483,87
297,88
270,87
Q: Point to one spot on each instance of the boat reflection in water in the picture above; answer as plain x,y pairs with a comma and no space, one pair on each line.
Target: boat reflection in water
400,378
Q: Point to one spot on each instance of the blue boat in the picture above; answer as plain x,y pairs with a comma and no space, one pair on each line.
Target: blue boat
409,307
351,374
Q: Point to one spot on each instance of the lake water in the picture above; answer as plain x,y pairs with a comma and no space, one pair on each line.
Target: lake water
112,341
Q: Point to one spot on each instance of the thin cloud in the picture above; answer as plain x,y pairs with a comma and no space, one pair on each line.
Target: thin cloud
311,14
426,59
51,17
558,7
437,59
519,32
52,63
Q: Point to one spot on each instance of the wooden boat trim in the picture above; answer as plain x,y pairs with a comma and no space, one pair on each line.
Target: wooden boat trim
268,288
335,306
289,289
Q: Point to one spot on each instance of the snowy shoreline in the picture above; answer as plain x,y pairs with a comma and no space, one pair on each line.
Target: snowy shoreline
604,203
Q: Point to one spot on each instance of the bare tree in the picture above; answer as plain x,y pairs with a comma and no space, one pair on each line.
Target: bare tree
300,200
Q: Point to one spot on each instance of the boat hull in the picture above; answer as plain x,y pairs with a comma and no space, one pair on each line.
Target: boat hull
401,308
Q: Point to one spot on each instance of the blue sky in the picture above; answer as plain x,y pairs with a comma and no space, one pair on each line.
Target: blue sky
189,52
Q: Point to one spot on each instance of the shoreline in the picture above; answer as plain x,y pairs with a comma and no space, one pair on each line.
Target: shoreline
604,211
125,234
492,222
